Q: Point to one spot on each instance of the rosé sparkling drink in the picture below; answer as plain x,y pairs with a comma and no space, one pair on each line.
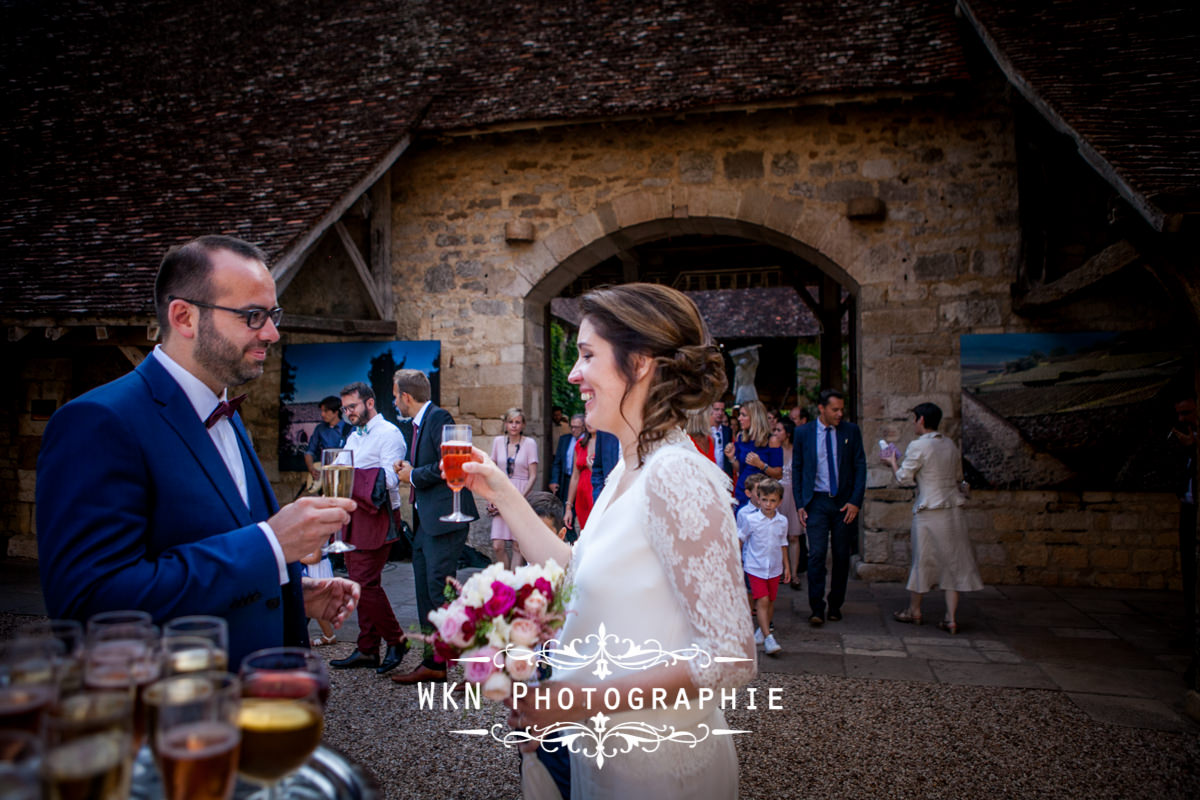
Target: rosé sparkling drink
456,451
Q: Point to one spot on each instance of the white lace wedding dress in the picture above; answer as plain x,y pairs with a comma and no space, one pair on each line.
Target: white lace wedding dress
659,566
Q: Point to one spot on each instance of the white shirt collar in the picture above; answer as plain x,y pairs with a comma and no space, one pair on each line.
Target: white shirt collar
420,417
198,394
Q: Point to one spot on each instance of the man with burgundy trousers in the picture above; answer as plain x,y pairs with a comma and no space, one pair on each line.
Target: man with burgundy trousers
436,544
377,444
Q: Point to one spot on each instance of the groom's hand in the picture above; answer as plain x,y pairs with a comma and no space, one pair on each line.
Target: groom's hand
330,599
303,526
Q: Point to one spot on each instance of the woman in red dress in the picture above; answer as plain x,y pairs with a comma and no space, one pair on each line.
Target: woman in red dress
579,495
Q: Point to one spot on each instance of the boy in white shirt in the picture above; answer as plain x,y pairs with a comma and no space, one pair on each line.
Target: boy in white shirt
751,489
763,534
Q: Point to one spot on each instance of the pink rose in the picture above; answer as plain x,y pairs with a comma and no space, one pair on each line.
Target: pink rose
520,663
458,629
503,597
536,603
479,671
497,687
524,632
543,586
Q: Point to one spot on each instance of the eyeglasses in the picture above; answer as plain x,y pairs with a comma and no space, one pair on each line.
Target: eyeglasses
511,462
255,318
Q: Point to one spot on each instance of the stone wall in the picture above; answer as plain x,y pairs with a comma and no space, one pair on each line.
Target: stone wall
939,265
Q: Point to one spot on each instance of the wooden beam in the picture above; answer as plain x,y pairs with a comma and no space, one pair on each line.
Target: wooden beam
630,269
16,333
381,242
360,266
293,258
1111,259
831,333
132,354
368,327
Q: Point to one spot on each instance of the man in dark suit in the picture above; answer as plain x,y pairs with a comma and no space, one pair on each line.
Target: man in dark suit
436,544
608,453
149,493
722,435
829,479
564,459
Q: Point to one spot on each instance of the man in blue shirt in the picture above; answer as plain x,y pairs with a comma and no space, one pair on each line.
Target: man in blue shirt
332,432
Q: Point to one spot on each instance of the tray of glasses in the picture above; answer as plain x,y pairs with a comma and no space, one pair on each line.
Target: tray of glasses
328,775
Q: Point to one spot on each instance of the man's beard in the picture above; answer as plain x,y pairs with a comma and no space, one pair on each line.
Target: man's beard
221,357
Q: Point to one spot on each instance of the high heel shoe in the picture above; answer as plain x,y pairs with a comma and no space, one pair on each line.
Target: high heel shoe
948,626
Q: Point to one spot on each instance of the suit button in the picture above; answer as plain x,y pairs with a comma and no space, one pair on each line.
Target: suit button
273,603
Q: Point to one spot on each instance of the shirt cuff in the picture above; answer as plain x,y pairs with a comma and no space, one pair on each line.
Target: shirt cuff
277,550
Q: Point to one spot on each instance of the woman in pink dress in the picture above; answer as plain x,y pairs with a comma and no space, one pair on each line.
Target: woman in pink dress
518,455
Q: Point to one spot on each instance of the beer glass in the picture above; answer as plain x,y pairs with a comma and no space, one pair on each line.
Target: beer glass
337,480
456,451
214,629
281,717
89,750
106,619
184,654
197,736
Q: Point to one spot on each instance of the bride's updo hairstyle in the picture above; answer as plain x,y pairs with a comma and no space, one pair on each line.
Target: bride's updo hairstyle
661,322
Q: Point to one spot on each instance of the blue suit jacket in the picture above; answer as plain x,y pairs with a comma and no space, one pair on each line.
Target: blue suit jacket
563,453
851,466
136,509
608,453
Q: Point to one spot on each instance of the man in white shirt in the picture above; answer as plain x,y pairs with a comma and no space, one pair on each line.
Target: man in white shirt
377,444
173,513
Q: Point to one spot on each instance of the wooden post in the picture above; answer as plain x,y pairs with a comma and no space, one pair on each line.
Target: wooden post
831,334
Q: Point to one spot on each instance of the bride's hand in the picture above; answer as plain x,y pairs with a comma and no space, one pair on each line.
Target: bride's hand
484,478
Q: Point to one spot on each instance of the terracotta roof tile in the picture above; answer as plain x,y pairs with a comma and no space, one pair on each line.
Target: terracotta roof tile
128,126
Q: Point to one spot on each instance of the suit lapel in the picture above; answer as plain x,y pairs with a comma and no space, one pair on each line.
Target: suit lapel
176,410
251,458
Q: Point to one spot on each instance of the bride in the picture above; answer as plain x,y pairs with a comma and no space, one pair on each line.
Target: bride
656,566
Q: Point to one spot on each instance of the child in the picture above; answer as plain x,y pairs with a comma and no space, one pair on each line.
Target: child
318,566
764,558
751,487
550,511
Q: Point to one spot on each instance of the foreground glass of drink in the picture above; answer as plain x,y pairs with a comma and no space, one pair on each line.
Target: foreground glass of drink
456,451
197,736
66,636
337,480
214,629
89,747
20,764
281,716
125,659
27,681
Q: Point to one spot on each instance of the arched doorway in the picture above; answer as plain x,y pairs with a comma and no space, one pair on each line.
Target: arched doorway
708,256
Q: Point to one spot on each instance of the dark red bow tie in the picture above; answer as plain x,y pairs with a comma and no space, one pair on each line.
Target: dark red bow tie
224,409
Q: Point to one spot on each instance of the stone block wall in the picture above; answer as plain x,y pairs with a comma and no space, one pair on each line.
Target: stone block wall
940,264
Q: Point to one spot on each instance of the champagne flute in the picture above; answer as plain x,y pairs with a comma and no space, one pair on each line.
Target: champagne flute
66,636
124,658
281,716
197,736
337,480
456,451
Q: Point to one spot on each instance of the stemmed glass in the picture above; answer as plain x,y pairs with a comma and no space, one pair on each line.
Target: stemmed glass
281,717
183,630
89,750
337,480
456,451
197,736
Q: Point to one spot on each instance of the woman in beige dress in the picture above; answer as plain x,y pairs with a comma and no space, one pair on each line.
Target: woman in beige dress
941,551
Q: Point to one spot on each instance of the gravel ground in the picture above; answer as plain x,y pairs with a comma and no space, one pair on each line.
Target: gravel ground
835,737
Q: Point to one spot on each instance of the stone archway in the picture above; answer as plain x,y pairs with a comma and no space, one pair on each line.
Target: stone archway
640,217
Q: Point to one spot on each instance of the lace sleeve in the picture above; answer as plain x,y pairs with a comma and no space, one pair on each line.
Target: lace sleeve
690,526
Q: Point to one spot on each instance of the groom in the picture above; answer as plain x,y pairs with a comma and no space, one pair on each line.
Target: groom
436,544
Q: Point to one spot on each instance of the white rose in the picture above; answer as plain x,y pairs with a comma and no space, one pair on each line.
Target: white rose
497,687
520,663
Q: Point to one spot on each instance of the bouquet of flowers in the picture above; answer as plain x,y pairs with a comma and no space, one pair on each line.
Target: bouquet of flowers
494,622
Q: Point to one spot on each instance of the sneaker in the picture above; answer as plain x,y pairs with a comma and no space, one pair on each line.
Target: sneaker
758,637
770,646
